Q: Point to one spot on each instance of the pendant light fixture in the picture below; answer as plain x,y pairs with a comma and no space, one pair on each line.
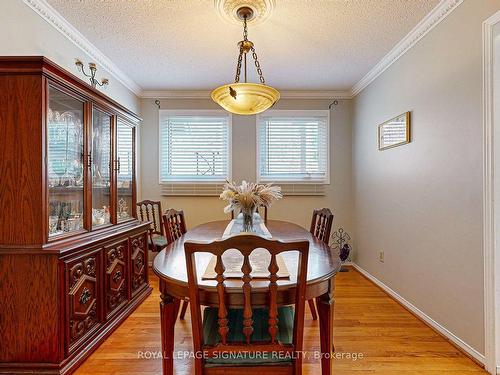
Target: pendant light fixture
245,98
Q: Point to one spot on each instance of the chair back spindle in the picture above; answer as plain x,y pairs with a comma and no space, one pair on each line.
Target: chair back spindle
273,293
246,268
222,314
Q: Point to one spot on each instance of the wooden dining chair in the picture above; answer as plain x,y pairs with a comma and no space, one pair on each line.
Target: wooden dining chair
174,224
243,333
174,227
258,210
321,226
151,211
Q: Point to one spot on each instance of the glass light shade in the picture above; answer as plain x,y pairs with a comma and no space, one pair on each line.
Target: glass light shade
247,98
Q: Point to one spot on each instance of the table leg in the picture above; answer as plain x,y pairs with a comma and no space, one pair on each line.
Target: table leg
169,308
325,306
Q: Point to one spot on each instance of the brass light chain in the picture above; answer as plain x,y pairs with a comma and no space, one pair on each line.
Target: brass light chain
254,55
240,56
257,65
245,29
238,66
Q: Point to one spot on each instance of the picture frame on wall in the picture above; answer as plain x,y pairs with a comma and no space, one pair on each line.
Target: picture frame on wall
394,132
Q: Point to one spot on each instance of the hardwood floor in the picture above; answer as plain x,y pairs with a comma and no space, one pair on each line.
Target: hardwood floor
367,321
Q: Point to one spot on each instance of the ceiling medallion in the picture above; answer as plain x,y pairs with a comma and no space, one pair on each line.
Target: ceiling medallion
261,10
246,98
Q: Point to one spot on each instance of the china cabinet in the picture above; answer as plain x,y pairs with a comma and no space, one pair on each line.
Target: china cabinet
73,256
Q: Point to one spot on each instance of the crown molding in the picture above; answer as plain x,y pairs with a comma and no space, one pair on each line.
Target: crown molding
175,94
439,13
205,94
316,94
58,22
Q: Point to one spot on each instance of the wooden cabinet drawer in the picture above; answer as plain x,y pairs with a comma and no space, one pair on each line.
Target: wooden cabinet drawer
117,275
83,300
138,263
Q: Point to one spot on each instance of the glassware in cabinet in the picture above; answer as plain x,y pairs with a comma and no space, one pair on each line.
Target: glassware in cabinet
101,167
125,169
65,167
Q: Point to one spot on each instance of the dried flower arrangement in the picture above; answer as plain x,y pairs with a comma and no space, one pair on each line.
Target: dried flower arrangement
248,196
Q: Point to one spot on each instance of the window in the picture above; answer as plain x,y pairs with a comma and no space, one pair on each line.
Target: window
293,146
194,146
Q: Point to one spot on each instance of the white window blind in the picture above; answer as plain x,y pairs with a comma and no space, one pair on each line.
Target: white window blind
194,147
293,146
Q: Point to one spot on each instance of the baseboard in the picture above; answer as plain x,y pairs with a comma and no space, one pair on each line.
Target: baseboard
456,341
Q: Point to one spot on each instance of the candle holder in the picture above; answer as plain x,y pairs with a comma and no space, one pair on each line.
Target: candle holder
93,70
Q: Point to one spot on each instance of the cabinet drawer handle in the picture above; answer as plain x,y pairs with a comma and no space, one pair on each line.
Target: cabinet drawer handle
85,296
139,262
117,276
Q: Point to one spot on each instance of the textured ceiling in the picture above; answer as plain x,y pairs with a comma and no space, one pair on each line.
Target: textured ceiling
185,45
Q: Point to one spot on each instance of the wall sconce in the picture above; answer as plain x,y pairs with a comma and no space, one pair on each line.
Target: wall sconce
93,69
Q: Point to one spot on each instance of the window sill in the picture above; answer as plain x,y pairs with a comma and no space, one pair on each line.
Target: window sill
214,189
302,189
192,189
173,182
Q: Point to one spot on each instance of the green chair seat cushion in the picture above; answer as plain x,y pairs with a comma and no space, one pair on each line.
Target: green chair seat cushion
159,241
260,318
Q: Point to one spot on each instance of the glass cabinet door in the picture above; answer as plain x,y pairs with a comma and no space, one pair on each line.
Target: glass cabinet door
125,169
65,168
101,168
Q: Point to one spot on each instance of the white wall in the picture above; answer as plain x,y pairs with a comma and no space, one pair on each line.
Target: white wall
24,33
296,209
422,203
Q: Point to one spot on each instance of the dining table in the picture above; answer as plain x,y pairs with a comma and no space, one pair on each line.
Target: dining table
323,264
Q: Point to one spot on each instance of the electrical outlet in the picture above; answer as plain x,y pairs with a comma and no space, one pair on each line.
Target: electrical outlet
381,256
